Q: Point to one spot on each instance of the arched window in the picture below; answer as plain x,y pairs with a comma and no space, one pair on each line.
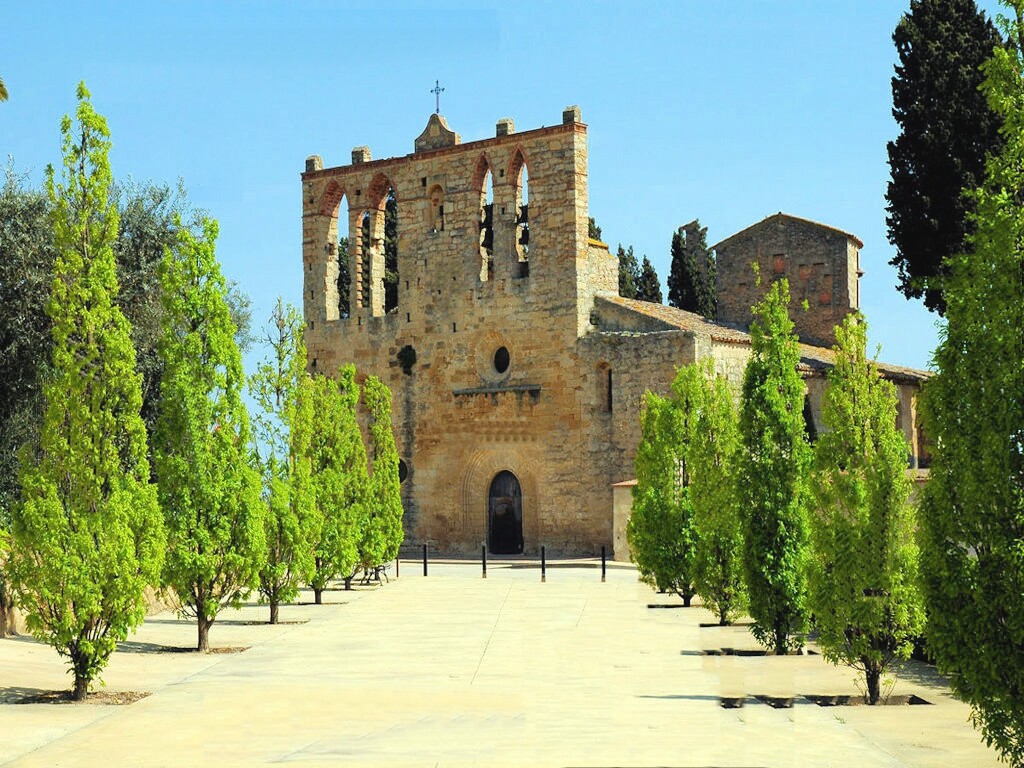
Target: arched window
487,225
521,240
604,387
364,268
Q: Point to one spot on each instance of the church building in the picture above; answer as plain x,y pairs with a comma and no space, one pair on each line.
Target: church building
517,371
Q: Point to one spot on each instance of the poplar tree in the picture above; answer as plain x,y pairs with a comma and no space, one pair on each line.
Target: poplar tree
714,458
660,529
209,488
382,531
341,483
972,514
87,536
773,471
283,430
862,580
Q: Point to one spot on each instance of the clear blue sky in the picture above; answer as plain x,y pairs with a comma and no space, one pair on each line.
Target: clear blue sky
723,112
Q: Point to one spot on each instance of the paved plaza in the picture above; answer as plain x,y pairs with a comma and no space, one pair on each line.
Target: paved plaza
455,670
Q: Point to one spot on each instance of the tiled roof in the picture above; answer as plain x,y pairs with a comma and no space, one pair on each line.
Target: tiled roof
812,358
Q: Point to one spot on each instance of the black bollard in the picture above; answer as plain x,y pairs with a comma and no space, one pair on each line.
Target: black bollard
543,564
396,566
483,558
604,566
424,559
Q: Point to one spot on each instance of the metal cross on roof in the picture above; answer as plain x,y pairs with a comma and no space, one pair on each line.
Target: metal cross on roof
437,90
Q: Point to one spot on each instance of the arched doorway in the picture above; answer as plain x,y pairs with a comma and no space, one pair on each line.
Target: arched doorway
505,515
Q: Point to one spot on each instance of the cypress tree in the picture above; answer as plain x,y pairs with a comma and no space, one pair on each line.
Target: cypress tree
648,287
691,281
946,130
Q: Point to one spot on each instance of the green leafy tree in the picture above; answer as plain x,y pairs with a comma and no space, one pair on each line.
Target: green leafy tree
691,281
341,483
629,272
382,532
862,581
3,90
87,537
593,231
946,130
660,529
773,476
971,516
283,430
209,488
648,286
714,458
27,257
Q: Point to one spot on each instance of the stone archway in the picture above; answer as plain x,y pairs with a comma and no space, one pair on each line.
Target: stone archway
505,515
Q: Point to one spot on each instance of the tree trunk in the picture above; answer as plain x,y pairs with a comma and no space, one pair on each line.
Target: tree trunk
273,611
81,687
873,675
204,633
348,582
686,600
3,616
318,596
780,641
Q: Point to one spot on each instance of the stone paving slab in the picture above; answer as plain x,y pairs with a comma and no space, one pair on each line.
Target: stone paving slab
455,670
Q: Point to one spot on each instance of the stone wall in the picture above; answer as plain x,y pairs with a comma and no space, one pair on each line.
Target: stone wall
820,262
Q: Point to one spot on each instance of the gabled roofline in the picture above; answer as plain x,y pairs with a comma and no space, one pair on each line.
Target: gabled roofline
781,215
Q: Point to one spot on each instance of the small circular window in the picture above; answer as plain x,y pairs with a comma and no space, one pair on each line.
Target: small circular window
501,360
403,470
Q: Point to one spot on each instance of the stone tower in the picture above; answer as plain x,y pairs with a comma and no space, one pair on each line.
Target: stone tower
496,283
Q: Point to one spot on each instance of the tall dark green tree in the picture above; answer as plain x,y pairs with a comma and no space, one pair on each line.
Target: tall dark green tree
648,286
593,231
390,252
773,476
629,272
87,535
946,130
972,514
863,585
691,281
344,279
209,486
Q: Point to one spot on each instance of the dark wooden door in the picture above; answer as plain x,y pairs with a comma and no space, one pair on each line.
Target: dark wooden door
505,515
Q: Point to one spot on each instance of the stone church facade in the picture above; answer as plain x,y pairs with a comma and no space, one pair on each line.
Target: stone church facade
517,371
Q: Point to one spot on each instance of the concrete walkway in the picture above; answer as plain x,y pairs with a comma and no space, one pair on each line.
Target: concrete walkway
454,670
